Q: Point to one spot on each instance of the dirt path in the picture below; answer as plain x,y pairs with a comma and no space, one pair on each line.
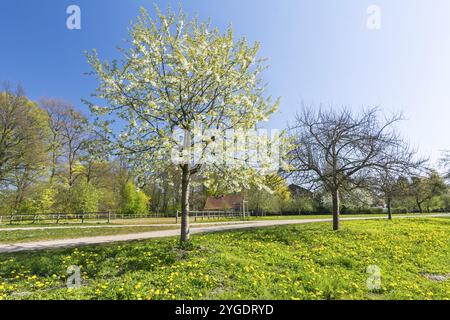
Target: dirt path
68,243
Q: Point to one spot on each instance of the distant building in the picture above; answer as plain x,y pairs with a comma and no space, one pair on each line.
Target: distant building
230,202
296,191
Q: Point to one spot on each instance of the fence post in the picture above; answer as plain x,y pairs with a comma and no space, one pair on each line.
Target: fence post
10,218
109,216
176,217
57,218
82,217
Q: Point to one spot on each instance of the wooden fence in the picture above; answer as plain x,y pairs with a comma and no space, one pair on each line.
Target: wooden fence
210,215
105,216
108,216
162,215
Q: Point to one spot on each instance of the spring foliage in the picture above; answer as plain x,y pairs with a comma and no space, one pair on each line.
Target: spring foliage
134,201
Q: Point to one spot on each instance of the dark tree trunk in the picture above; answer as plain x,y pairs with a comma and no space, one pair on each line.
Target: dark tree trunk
165,204
336,210
389,208
53,172
419,205
185,205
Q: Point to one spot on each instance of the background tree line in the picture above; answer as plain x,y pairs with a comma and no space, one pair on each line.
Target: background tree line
408,194
51,161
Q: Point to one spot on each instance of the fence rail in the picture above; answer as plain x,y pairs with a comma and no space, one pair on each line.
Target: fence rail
210,215
104,216
108,216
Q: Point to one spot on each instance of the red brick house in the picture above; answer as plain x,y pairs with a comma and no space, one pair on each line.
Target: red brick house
230,202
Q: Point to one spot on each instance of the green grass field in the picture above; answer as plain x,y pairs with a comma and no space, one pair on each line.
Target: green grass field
69,231
289,262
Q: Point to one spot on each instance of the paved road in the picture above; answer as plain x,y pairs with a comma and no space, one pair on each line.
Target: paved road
68,243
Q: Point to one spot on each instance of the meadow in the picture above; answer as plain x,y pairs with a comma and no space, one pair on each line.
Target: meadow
289,262
10,234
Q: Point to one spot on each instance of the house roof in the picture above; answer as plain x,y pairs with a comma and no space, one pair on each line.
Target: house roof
297,190
223,202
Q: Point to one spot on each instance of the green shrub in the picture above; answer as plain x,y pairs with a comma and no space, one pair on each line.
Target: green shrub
46,199
27,206
84,197
134,201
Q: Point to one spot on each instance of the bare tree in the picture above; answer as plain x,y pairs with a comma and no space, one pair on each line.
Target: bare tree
389,184
339,151
57,118
69,139
387,180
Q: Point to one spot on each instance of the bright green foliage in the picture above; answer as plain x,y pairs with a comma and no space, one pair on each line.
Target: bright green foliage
45,200
23,149
27,206
291,262
24,132
427,190
40,198
134,201
141,202
300,204
273,196
84,197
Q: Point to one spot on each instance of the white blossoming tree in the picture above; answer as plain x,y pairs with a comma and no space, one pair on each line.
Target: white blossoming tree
179,75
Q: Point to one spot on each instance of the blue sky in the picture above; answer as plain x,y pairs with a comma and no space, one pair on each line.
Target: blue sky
319,51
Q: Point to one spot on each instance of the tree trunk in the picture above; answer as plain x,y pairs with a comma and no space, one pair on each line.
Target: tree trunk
165,202
54,161
185,205
336,210
53,172
389,208
419,205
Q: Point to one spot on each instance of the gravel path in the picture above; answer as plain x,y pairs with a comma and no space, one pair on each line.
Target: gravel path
68,243
102,226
